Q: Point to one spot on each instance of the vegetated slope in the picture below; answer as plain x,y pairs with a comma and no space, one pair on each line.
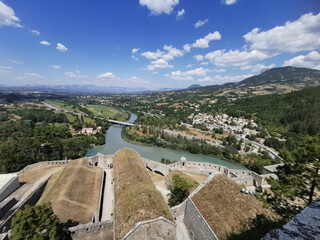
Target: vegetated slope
193,183
298,112
136,198
225,208
275,80
74,192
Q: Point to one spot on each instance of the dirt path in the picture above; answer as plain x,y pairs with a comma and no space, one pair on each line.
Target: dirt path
161,185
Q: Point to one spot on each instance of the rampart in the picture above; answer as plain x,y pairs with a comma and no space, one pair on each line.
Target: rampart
92,228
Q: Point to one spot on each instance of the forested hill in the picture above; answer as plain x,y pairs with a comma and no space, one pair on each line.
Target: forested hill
275,80
289,75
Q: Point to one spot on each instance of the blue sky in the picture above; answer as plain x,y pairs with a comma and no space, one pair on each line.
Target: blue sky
154,43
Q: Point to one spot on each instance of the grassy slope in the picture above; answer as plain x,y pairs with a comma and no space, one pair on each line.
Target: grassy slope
74,194
193,183
136,198
225,208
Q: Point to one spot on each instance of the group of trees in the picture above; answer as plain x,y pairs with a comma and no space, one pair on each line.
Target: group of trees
41,135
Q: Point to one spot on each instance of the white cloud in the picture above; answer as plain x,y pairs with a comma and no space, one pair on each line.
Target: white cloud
56,67
311,60
221,58
134,57
15,61
76,74
219,70
135,50
229,2
61,47
204,42
159,6
35,32
160,63
224,79
200,23
300,35
204,63
137,80
257,67
5,67
169,54
199,57
180,14
152,55
7,16
188,75
187,47
45,43
107,75
189,66
31,76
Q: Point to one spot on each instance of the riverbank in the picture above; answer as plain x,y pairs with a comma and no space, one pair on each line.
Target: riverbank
192,146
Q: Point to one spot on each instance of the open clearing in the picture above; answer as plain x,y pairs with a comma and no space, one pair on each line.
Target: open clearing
74,191
226,209
136,198
193,179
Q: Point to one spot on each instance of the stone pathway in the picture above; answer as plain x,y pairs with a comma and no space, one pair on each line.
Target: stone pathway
108,199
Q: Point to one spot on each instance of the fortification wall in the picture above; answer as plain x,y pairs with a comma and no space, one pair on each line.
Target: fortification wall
92,228
39,164
159,228
197,226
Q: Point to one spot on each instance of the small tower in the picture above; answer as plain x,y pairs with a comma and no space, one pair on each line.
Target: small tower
183,161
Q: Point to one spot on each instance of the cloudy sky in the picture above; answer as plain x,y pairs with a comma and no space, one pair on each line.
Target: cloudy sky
154,43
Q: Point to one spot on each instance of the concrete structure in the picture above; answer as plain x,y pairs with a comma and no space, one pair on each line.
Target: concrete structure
271,168
30,197
8,184
304,226
92,228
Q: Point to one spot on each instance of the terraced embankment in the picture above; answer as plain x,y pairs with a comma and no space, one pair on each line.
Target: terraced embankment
74,191
136,198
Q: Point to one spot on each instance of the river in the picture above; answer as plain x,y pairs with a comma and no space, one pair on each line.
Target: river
114,142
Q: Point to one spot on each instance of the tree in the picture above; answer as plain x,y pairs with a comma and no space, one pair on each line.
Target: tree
299,176
37,223
179,190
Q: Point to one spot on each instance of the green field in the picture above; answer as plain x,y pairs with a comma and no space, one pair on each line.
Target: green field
71,118
60,104
107,112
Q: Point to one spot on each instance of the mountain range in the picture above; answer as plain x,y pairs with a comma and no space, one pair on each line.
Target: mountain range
283,79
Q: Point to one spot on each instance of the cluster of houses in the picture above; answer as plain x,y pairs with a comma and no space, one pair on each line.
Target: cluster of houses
228,123
89,131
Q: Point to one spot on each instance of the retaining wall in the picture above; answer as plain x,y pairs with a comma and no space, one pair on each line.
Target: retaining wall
9,187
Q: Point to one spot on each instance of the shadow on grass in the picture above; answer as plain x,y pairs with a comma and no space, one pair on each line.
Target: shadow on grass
258,228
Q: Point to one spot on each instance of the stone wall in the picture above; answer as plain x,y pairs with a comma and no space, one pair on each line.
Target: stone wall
91,228
156,166
159,228
36,165
197,226
179,209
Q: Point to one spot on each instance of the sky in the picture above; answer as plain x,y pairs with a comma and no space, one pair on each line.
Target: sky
153,43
